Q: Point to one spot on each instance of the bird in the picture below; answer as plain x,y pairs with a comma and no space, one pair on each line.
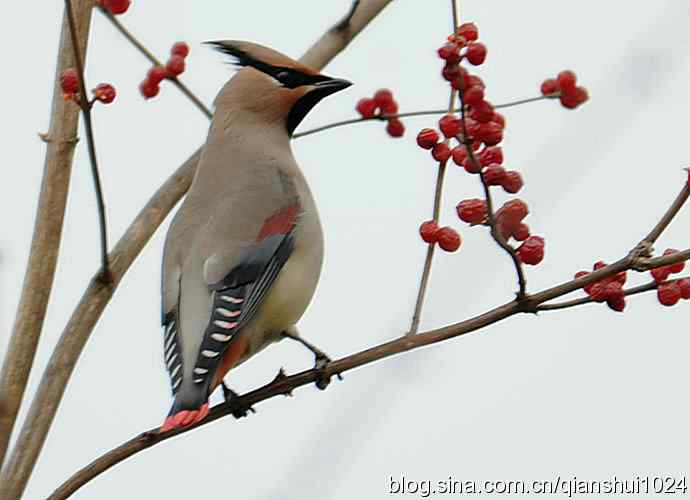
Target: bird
243,254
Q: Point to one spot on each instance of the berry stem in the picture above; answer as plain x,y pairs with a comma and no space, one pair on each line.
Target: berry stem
669,215
384,117
522,283
438,198
652,285
154,60
86,106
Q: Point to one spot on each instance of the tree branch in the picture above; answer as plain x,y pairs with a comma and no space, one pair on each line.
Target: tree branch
86,107
38,281
438,198
96,297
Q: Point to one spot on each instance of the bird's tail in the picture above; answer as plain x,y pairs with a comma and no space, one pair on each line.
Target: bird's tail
189,407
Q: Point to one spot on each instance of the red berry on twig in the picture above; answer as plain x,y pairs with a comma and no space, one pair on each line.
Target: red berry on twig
157,74
395,128
684,287
175,65
69,81
549,86
450,125
494,175
366,108
532,250
476,53
440,152
116,6
428,231
668,293
427,138
459,155
383,98
566,80
512,182
468,31
180,49
105,93
472,211
448,239
149,89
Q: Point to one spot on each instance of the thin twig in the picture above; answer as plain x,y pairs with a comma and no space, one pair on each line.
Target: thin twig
438,198
652,285
669,215
491,216
86,106
154,60
384,117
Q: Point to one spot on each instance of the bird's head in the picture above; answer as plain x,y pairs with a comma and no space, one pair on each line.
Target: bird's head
272,86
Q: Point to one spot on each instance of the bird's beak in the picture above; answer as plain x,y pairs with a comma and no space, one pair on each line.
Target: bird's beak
333,84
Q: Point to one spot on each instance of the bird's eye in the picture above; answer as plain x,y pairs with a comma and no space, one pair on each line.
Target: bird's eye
282,75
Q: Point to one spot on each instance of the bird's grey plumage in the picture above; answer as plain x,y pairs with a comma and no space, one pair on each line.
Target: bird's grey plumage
249,216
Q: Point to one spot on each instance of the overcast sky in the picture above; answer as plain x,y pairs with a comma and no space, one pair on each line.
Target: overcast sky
584,392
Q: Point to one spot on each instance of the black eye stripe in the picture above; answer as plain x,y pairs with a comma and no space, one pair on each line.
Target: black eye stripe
292,78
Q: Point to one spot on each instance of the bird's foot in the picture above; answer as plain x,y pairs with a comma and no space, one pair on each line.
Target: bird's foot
232,401
321,361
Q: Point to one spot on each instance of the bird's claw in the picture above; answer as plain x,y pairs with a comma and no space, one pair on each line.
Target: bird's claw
320,363
236,407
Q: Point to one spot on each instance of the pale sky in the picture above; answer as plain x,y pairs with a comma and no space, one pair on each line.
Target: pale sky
585,392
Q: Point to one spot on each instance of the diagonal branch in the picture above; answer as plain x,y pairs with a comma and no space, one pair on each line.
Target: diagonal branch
96,297
45,246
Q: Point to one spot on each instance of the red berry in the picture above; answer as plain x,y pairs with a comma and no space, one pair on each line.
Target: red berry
440,152
490,133
450,126
566,80
616,303
175,65
621,277
472,211
69,81
569,100
428,231
599,265
581,95
450,52
366,107
149,89
521,232
499,119
494,175
472,127
473,95
471,166
105,93
513,211
531,251
483,112
157,74
116,6
668,293
549,86
180,49
448,239
389,108
597,291
684,287
512,182
459,154
427,138
476,53
661,274
473,81
468,31
678,266
395,128
492,154
383,98
451,72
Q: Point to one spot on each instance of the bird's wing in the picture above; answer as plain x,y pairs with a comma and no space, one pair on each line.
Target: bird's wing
243,245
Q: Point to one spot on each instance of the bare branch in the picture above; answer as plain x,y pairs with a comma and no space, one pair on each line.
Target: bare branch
669,215
438,198
96,297
384,117
38,282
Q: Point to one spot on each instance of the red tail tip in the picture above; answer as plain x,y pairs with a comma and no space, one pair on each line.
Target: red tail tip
184,418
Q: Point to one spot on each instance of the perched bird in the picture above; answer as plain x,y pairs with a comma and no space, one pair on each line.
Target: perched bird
243,254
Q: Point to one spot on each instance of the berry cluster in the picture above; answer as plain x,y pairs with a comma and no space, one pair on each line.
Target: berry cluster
670,292
384,104
175,66
69,83
446,237
115,6
564,86
609,290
